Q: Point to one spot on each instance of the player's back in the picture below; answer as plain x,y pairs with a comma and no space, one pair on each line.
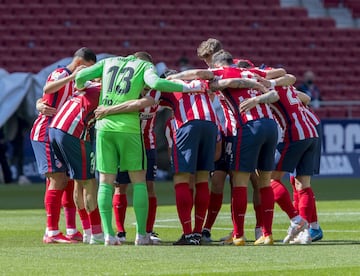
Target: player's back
39,130
123,80
291,115
77,115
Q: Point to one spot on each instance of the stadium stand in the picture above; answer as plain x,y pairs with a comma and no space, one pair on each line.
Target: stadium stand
39,33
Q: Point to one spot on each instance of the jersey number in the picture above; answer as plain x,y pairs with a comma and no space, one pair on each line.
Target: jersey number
125,75
292,97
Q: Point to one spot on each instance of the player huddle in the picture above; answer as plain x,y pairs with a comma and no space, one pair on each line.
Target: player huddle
232,119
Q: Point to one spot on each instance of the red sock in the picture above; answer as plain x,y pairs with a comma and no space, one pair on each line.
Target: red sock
84,218
295,193
306,203
119,205
314,217
151,214
201,205
215,203
184,203
53,207
69,205
95,221
267,204
282,197
239,204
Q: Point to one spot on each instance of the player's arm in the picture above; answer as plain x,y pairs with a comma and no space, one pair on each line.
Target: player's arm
155,82
275,73
125,107
267,98
54,86
304,98
285,80
89,73
192,74
236,83
44,108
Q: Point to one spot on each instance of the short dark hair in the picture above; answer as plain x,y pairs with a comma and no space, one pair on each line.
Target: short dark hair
245,63
222,57
85,53
144,56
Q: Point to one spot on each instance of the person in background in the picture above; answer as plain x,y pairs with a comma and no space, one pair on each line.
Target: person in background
309,87
184,63
3,158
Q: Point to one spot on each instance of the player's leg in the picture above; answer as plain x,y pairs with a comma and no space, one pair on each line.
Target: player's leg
69,207
218,178
150,185
256,205
107,160
53,195
184,203
79,199
120,203
141,206
239,205
56,181
206,153
266,197
201,201
89,188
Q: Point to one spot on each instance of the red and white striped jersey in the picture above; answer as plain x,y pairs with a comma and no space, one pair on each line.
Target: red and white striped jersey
313,117
169,131
290,115
226,117
236,96
39,131
76,116
148,118
189,106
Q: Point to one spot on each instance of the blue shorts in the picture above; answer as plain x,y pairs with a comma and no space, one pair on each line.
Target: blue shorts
46,159
194,147
255,146
297,155
75,153
317,155
123,177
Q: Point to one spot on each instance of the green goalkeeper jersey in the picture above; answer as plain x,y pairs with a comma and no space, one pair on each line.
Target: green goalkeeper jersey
123,79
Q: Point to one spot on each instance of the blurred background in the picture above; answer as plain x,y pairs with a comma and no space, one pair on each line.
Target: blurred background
316,40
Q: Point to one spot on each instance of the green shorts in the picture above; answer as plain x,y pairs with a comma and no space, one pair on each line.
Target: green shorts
119,150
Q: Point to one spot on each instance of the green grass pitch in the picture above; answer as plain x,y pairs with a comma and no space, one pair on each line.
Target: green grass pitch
22,223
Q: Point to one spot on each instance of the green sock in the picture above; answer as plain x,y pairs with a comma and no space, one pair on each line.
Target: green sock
104,198
141,206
